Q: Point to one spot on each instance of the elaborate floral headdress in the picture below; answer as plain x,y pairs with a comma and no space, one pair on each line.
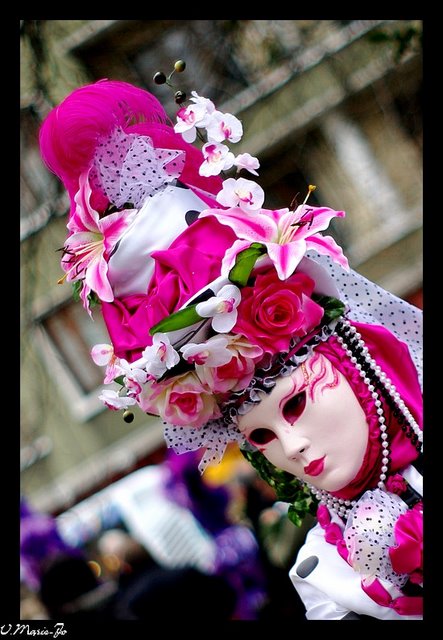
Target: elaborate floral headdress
208,296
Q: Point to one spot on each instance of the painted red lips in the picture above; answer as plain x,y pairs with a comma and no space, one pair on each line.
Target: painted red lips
315,467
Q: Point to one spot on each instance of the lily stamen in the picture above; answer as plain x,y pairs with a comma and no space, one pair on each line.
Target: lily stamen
311,188
67,273
290,227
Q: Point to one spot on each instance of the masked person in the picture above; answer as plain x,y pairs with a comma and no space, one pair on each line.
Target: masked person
235,323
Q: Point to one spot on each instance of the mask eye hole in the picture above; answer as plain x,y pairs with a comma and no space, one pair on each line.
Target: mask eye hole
261,436
294,407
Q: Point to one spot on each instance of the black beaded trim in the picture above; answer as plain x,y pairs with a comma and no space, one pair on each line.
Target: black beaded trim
411,497
418,464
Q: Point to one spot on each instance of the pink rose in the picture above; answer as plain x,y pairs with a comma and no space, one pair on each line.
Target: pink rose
272,311
191,262
181,401
237,373
396,484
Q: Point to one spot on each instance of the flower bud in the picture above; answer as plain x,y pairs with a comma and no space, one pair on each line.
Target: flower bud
180,66
159,77
180,96
128,416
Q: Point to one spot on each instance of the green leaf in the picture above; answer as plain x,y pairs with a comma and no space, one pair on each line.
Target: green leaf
333,307
94,300
178,320
244,263
76,289
120,380
287,487
294,516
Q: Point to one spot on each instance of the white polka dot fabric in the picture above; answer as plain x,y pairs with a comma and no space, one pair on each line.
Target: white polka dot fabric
369,303
213,437
369,534
129,169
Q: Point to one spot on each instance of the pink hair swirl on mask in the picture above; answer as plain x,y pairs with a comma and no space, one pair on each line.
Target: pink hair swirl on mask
394,359
321,375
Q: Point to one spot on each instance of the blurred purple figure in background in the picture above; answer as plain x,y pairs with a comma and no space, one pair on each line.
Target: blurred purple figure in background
59,574
237,551
40,544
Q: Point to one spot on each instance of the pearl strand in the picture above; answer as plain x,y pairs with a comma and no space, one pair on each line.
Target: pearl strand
340,506
375,396
385,382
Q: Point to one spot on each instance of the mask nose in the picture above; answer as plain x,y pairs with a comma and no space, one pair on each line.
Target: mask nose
293,444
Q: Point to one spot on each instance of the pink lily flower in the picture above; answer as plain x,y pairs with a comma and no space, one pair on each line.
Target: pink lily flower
92,238
287,235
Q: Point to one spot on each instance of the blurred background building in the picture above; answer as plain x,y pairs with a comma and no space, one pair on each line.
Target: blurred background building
335,103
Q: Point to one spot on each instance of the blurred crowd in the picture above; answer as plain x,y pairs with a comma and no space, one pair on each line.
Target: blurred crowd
218,546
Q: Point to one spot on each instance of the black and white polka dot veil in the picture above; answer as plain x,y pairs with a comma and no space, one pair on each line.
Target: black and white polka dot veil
369,303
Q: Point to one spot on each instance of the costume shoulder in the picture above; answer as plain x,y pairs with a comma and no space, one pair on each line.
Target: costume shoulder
329,587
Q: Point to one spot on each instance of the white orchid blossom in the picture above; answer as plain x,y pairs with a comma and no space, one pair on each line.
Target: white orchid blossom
114,401
103,355
217,158
222,308
212,353
248,162
203,102
223,126
188,120
134,376
246,194
193,116
160,356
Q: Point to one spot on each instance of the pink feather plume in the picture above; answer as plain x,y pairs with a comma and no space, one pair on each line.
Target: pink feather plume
69,134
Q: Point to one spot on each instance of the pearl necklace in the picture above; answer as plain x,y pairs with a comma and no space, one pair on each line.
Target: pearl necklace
358,353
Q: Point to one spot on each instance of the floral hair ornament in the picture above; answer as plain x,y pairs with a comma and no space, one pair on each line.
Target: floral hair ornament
208,297
204,356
